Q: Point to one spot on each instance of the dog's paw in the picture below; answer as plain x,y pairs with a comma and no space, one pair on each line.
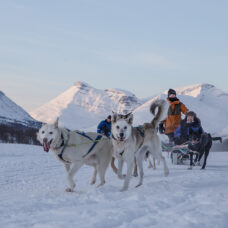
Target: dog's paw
93,182
101,184
190,168
139,184
69,190
135,174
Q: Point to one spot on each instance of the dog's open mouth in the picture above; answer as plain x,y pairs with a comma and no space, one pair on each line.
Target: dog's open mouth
46,145
121,139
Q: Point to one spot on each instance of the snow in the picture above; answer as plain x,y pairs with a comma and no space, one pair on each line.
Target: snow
120,91
32,194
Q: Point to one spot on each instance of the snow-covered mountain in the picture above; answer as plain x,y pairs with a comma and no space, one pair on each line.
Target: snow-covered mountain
11,113
83,106
210,104
16,125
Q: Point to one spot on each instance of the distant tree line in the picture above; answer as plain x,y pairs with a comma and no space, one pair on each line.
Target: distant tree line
18,133
220,146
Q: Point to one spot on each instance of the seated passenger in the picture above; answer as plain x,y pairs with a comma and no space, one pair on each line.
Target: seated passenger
189,128
192,132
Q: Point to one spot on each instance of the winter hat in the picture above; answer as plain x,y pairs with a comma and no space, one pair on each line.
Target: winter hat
171,91
109,117
191,113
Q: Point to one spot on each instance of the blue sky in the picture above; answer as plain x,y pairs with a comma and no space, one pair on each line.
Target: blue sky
141,46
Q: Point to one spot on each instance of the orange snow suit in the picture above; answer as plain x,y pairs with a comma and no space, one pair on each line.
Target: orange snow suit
174,116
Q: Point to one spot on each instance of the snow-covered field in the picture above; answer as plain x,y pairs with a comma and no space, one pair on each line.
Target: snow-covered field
32,194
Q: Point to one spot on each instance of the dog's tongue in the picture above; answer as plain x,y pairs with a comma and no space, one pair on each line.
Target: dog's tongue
46,146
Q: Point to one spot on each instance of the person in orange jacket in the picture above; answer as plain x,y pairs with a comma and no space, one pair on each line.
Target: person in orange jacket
173,119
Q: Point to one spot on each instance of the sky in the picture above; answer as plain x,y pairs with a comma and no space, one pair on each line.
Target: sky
144,46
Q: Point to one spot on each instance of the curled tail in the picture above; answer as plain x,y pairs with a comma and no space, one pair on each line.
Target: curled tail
160,104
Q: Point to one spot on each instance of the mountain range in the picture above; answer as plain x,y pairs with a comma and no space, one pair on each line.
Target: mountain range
83,107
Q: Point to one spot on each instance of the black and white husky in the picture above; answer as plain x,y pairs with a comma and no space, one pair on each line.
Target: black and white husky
74,148
128,143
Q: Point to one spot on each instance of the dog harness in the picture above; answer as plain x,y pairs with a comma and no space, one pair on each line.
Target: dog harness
60,155
98,138
140,129
64,145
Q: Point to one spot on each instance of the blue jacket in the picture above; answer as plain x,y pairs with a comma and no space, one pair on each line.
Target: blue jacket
186,130
104,128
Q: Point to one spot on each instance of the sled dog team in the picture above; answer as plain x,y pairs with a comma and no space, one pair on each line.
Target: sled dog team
127,144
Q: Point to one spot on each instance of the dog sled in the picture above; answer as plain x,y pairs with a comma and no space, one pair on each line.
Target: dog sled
179,154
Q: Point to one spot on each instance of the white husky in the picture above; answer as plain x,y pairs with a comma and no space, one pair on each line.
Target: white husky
128,143
74,148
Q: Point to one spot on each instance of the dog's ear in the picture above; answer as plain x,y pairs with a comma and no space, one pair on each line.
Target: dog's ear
56,123
114,117
129,118
127,115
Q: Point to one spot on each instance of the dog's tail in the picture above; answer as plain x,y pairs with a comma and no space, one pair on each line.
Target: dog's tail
217,139
160,104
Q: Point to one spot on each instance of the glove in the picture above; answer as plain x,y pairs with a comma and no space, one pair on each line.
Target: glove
161,128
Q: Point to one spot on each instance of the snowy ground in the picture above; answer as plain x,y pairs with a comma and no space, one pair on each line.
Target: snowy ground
32,194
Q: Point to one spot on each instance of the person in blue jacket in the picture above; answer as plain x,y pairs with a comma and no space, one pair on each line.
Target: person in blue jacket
190,128
104,127
191,131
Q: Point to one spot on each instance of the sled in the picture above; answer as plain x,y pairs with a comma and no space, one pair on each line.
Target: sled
179,154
